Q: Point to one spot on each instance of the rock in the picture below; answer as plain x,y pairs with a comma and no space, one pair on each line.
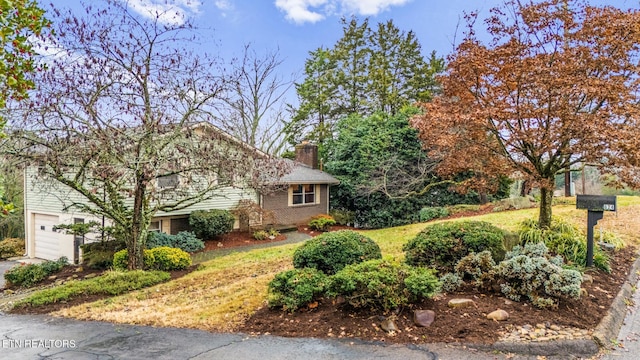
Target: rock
587,279
583,292
52,277
79,269
424,318
9,292
460,303
606,246
220,244
59,282
89,276
388,325
498,315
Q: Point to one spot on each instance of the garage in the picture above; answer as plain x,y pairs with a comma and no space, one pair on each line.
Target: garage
47,244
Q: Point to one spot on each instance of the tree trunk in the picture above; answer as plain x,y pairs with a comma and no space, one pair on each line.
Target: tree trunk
546,199
567,184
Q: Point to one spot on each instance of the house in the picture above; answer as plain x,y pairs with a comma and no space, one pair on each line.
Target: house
304,193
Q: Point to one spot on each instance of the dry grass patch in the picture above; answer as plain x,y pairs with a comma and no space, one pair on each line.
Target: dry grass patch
217,297
229,289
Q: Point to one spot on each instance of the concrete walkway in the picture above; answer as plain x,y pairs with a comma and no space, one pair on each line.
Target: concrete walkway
627,344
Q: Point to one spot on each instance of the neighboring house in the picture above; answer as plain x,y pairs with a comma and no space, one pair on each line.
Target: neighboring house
306,194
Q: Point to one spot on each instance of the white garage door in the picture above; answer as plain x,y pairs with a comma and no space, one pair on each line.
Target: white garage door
46,240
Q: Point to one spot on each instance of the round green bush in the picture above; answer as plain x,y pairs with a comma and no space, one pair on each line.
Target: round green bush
168,258
293,289
208,224
332,251
383,285
121,259
184,240
442,245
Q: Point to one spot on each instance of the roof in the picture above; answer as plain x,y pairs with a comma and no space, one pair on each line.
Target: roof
303,174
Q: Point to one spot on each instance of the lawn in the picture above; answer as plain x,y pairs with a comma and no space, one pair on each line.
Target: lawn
227,290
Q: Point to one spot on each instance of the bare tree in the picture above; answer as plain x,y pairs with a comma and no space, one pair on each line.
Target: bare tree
254,108
118,118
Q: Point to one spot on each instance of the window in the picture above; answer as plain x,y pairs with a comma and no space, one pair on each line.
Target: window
155,226
170,181
303,194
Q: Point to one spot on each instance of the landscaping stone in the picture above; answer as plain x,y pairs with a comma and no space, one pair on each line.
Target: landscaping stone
89,276
424,318
587,279
53,277
388,325
8,292
498,315
461,303
79,269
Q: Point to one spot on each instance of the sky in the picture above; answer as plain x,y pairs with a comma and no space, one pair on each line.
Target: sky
296,27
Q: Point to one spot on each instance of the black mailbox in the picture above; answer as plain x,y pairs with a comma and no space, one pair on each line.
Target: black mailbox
596,202
596,206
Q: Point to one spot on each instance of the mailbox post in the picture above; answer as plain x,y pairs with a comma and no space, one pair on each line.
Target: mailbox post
596,206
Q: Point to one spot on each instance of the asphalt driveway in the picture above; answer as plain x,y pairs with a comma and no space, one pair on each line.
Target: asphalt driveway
26,337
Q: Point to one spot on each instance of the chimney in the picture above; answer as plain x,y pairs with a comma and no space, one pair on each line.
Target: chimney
307,153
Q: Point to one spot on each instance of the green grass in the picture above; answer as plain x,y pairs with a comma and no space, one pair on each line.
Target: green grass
110,283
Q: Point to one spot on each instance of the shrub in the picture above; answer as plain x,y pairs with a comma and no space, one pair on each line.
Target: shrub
31,274
99,255
11,247
442,245
321,222
168,259
451,282
110,283
564,239
343,217
260,234
293,289
208,224
330,252
184,240
121,259
382,285
477,267
429,213
531,272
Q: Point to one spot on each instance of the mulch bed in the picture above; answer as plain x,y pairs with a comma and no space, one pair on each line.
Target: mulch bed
466,325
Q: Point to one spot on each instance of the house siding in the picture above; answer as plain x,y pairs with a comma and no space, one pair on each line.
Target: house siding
296,214
47,197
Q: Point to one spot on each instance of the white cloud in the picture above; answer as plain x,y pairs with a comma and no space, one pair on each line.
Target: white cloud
370,7
301,11
168,12
298,10
225,6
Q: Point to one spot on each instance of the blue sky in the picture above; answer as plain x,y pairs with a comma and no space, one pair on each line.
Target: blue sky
295,27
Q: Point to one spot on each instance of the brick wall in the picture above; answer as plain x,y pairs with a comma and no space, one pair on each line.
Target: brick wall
299,214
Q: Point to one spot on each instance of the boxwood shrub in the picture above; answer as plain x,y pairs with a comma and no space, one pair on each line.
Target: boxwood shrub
332,251
442,245
161,258
383,285
208,224
293,289
167,258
